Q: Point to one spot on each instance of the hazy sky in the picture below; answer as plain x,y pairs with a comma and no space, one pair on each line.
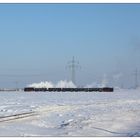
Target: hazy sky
37,41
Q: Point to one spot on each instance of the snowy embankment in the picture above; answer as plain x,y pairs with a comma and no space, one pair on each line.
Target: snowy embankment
70,114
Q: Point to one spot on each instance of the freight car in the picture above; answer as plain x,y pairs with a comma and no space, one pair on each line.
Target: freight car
28,89
107,89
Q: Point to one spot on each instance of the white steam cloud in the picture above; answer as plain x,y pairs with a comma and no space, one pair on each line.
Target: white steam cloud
47,84
65,84
104,81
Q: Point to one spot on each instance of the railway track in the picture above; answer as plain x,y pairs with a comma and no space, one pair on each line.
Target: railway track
17,116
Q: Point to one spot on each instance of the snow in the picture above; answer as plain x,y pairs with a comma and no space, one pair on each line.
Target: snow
71,113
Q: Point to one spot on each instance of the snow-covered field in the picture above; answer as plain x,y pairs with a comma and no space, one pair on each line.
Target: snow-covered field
70,114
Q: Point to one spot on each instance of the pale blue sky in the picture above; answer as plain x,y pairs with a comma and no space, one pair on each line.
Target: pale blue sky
37,41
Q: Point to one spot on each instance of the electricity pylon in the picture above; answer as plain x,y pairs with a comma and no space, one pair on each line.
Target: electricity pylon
136,78
73,65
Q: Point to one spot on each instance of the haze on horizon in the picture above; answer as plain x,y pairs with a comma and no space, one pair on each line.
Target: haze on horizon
37,41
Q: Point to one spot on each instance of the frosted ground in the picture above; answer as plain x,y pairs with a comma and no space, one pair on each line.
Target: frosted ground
70,113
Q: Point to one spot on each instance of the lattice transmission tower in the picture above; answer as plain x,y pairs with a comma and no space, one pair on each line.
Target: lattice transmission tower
73,65
136,73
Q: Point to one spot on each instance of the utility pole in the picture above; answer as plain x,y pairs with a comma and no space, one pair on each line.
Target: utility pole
73,65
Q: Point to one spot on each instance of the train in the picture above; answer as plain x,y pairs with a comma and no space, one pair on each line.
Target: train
104,89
